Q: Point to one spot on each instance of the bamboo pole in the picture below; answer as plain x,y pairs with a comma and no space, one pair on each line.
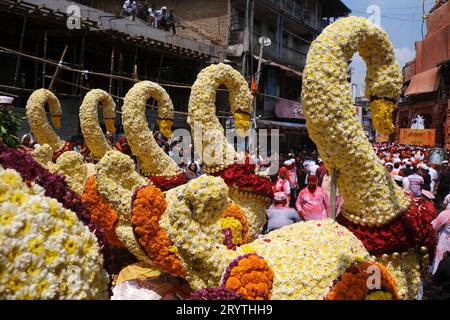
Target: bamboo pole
22,35
58,68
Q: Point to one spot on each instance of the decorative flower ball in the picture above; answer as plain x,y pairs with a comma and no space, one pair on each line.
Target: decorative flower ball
45,251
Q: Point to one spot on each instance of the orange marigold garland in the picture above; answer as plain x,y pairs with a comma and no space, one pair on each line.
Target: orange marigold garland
249,276
352,285
234,221
148,204
101,213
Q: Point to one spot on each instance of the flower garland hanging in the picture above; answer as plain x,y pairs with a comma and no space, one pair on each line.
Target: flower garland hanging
411,229
353,284
45,252
166,183
150,235
243,176
101,213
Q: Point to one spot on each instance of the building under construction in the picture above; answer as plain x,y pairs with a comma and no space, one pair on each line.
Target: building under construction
111,52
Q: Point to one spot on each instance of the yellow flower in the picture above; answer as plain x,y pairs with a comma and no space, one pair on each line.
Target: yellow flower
36,246
11,178
50,256
6,217
36,207
41,287
70,246
24,229
69,218
32,271
18,198
14,283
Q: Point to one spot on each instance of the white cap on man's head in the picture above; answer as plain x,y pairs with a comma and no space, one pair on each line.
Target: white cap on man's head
6,100
279,196
163,8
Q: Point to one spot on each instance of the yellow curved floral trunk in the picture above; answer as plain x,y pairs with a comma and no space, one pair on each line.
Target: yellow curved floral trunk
154,161
37,117
209,139
93,134
371,196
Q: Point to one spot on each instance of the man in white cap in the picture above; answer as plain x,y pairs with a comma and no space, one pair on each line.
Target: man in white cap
280,214
161,17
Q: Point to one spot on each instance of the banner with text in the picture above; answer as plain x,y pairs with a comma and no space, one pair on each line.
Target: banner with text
419,137
381,138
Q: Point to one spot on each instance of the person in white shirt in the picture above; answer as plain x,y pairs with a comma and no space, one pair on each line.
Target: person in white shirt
434,177
153,16
129,9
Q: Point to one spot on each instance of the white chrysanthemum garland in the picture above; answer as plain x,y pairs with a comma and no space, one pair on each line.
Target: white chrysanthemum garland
371,198
154,161
71,165
95,140
37,118
116,182
45,251
209,139
305,257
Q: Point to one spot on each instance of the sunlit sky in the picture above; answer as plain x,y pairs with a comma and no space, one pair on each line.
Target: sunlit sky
401,19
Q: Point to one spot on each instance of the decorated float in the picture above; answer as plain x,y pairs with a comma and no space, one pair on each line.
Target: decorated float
55,244
391,224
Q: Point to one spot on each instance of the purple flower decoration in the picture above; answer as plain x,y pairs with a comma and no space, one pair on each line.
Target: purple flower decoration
215,294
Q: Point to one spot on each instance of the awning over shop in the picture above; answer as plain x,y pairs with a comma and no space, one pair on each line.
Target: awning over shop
271,123
427,81
282,67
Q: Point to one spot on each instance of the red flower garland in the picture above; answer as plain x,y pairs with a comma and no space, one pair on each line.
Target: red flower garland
243,176
166,183
413,228
67,147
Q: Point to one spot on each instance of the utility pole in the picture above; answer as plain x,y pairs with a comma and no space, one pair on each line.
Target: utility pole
248,37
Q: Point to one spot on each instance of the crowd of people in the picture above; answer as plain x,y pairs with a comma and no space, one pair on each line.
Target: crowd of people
162,18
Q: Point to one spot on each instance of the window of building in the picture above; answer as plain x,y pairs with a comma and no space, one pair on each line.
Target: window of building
257,27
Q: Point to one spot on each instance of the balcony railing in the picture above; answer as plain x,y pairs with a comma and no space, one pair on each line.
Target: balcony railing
300,13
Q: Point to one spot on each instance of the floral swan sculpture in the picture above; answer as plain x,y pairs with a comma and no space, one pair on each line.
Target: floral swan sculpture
311,260
379,213
248,190
155,163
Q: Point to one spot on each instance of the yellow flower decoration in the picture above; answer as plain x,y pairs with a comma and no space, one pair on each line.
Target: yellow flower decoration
381,110
37,117
371,197
95,140
154,161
